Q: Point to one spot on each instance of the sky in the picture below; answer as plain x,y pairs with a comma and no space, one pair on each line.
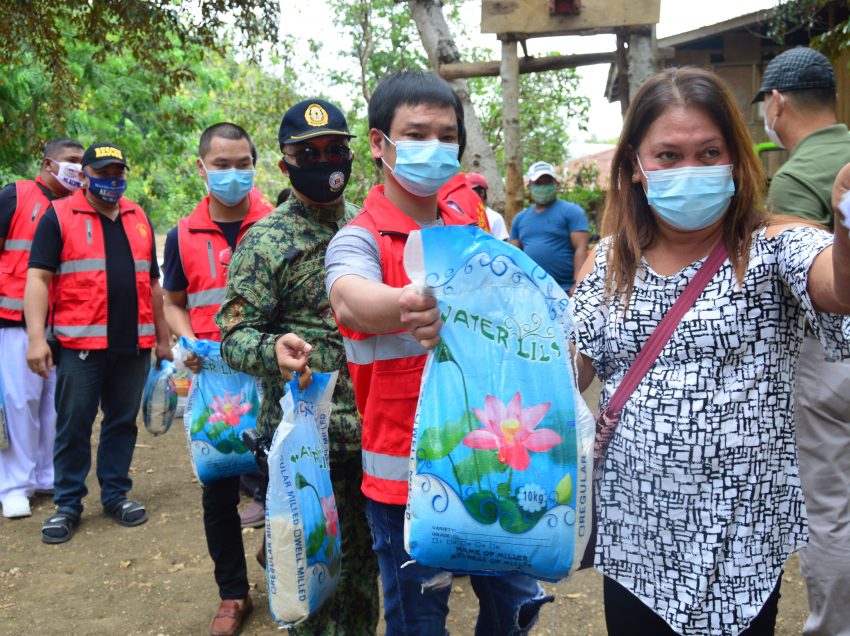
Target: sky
677,16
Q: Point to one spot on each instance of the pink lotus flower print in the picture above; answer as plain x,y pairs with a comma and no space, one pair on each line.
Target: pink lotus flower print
331,515
510,429
227,408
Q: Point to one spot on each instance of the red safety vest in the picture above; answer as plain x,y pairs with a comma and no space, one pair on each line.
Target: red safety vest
461,196
386,369
32,203
205,254
80,294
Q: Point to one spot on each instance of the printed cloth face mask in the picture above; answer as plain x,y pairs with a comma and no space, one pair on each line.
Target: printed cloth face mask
690,198
543,194
322,182
69,174
770,131
107,189
229,186
423,167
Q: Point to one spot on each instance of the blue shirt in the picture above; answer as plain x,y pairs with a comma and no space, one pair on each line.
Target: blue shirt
545,237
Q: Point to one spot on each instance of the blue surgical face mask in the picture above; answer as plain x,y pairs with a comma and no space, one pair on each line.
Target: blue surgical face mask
690,198
423,167
229,186
108,190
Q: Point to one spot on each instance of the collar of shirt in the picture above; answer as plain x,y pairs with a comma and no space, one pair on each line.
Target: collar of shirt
333,213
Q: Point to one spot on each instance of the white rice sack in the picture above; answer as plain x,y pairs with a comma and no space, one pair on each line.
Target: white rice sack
303,547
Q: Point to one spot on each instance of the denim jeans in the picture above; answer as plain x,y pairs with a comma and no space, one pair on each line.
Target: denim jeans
84,381
416,597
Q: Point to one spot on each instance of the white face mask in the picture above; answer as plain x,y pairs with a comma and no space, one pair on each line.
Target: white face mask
770,130
70,175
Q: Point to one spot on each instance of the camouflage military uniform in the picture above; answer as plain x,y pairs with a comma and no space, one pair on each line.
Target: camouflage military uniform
276,285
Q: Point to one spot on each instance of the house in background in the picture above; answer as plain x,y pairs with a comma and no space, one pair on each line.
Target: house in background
738,50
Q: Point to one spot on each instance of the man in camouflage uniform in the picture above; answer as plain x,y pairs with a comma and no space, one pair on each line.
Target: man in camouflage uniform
276,288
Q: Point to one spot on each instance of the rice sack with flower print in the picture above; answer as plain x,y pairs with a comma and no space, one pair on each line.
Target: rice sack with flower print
303,545
221,405
500,475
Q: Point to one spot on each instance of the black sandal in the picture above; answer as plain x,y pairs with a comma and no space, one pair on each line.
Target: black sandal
127,512
59,528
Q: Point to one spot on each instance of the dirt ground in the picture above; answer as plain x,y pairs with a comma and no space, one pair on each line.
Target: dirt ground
156,579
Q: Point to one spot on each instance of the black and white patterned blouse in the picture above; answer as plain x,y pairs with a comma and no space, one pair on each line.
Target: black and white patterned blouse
699,497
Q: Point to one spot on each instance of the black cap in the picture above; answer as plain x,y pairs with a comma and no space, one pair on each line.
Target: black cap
101,154
796,69
311,118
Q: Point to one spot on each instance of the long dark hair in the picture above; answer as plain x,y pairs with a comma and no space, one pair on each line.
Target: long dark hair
628,218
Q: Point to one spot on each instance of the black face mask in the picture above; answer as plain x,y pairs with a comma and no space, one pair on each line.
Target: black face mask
322,182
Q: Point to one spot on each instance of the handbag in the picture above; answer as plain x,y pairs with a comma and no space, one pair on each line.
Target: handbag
609,415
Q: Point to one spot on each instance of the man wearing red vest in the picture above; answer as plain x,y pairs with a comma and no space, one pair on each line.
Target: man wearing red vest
416,134
197,257
26,466
97,249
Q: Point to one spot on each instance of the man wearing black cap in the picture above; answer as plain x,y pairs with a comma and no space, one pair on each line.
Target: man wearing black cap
97,249
799,114
276,287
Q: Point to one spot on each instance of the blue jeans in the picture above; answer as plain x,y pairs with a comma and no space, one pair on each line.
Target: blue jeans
416,597
84,381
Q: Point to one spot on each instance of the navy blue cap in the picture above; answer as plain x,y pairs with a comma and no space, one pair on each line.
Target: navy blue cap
311,118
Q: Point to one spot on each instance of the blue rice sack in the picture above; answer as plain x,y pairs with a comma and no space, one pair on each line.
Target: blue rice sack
500,475
159,400
221,405
303,548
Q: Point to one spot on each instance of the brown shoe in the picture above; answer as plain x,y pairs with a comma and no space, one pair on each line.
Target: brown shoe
229,617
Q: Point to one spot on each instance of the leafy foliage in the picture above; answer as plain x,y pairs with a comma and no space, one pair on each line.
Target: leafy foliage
814,19
548,102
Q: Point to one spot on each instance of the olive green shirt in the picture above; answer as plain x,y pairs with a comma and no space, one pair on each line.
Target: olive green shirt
276,285
803,185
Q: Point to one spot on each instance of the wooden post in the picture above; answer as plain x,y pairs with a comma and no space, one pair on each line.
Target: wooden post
510,125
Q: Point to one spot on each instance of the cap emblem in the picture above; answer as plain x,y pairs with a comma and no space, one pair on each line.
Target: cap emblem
316,115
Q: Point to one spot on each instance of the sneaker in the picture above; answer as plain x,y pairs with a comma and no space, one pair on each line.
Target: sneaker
254,515
16,507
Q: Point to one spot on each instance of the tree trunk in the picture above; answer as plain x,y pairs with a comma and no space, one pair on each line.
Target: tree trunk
440,46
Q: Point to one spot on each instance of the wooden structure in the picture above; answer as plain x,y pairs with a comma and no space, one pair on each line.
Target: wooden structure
514,21
738,50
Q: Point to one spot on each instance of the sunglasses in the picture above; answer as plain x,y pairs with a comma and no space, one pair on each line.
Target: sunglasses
310,156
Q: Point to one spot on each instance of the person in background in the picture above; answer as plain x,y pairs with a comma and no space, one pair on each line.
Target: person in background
283,196
799,114
698,499
416,136
274,290
97,249
496,221
551,231
26,466
457,194
197,256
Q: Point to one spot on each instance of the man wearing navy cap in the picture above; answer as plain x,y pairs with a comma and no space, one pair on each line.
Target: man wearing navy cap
276,287
97,249
799,114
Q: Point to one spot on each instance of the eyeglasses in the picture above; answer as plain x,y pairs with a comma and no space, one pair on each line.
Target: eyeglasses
310,156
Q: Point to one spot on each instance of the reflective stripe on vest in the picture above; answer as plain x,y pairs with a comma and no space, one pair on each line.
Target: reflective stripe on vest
391,467
82,265
19,245
80,331
207,297
11,303
147,329
382,347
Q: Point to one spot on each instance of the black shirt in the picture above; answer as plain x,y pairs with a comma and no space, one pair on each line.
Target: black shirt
121,299
175,276
8,204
